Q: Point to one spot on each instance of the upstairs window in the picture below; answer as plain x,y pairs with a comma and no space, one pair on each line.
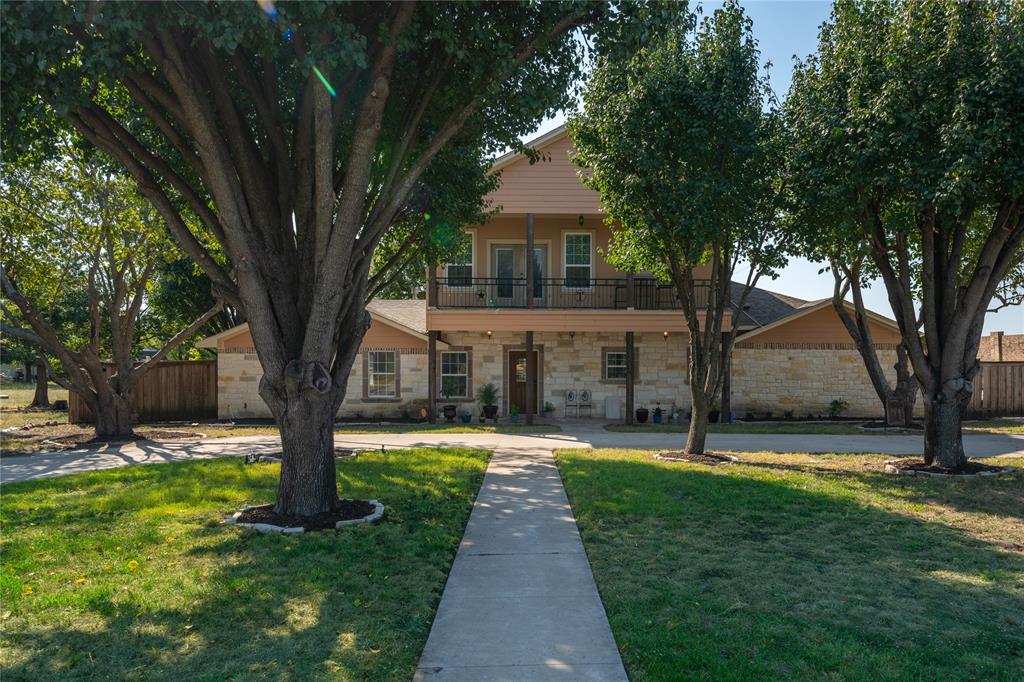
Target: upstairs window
578,260
459,271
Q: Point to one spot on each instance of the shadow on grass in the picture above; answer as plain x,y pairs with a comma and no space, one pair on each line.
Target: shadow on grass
216,602
747,572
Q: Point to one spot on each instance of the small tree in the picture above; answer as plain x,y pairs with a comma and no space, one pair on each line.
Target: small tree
676,139
909,143
72,223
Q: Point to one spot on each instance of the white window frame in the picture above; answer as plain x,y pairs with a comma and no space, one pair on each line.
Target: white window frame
472,265
442,374
370,373
608,365
565,259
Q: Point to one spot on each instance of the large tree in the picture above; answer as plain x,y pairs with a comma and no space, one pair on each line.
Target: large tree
70,224
297,136
909,138
677,139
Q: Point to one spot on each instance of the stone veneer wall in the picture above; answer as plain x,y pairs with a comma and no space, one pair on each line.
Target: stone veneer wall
238,377
805,379
576,362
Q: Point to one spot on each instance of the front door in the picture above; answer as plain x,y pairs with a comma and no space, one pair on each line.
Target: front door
517,380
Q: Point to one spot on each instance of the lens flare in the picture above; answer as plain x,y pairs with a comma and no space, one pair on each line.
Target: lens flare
268,7
324,81
426,217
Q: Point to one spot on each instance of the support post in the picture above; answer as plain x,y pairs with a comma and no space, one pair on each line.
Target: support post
630,376
531,380
431,286
529,262
630,292
432,376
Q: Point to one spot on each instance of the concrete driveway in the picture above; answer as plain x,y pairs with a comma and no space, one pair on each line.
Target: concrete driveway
47,465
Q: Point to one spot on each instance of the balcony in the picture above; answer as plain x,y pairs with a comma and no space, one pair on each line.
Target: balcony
555,293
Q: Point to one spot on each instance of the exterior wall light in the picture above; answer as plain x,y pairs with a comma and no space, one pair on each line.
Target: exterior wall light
665,335
489,333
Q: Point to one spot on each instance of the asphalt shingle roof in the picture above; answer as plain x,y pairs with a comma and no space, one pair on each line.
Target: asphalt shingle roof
764,307
411,313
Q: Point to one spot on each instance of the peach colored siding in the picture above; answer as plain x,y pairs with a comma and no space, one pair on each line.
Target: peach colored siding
495,319
548,186
821,326
377,336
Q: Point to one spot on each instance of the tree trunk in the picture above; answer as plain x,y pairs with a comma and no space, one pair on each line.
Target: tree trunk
113,416
943,440
307,485
42,395
698,432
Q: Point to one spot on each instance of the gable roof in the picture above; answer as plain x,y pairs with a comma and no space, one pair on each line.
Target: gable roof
406,315
809,307
538,142
763,306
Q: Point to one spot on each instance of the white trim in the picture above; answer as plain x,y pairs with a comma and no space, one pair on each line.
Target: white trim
809,308
441,375
370,373
593,259
472,264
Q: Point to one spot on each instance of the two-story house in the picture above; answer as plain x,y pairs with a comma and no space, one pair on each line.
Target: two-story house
532,305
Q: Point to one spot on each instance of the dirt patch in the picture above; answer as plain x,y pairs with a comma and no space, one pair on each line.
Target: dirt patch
913,465
348,510
709,458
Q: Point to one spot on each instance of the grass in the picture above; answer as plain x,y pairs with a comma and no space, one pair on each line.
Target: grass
130,574
1007,426
20,394
803,567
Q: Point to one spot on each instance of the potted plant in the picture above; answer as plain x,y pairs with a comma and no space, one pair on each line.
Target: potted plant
513,413
657,413
465,417
488,396
836,408
448,410
713,413
641,415
548,409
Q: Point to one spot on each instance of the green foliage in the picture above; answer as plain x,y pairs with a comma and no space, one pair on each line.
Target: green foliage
487,394
676,140
836,407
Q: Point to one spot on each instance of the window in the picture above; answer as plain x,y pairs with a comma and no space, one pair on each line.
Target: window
455,374
382,375
578,260
459,271
615,365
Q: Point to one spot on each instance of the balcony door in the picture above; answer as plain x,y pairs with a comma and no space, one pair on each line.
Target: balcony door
508,265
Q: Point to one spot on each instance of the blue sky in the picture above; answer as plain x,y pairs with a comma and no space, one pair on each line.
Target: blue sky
784,29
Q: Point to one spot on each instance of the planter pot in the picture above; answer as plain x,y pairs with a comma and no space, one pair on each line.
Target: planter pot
491,411
449,412
656,419
641,415
466,418
713,417
514,418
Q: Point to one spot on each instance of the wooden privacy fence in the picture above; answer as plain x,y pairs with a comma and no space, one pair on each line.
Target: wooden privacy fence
998,390
171,391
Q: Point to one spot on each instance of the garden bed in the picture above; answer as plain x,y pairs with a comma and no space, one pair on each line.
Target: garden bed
264,519
911,466
709,458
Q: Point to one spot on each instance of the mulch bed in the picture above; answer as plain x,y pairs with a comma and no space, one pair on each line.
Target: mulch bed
882,425
708,458
348,510
913,464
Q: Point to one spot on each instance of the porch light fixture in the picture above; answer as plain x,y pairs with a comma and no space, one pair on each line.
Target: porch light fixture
581,220
665,335
572,335
489,333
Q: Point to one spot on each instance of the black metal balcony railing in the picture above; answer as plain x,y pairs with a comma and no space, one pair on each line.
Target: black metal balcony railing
560,293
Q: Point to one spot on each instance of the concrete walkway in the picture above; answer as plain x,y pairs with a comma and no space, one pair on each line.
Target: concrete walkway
46,465
520,603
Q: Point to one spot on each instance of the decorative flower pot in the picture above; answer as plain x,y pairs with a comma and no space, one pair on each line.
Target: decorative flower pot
491,411
713,417
656,418
449,412
641,415
466,418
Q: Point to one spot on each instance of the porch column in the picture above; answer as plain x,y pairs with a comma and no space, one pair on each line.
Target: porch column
630,292
432,377
431,286
529,264
630,376
531,378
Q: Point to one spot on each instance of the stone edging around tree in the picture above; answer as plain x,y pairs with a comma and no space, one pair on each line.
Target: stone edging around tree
892,467
375,515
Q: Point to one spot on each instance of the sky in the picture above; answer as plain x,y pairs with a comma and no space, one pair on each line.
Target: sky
784,29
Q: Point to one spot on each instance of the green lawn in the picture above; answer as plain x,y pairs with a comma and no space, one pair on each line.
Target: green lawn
773,427
130,574
803,567
21,394
1009,426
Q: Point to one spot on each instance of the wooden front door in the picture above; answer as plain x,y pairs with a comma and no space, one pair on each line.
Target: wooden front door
517,380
